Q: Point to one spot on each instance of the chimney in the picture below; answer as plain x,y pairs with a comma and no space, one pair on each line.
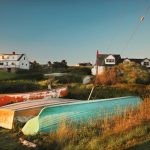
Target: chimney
14,52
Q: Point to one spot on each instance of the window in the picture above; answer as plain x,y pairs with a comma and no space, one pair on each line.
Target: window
1,64
7,57
13,63
110,60
146,63
24,58
2,57
22,64
6,63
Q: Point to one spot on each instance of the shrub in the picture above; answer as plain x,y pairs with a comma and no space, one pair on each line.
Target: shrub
17,86
79,70
30,76
82,92
69,79
134,73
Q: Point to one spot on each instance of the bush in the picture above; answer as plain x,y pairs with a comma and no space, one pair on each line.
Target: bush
79,70
100,92
134,73
21,75
17,86
30,76
69,79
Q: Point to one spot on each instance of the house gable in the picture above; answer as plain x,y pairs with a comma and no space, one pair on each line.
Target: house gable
23,62
146,62
110,60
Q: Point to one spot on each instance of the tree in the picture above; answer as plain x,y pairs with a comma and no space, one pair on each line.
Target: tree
62,64
35,67
49,63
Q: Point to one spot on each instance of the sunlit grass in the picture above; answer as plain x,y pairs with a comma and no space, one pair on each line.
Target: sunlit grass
119,132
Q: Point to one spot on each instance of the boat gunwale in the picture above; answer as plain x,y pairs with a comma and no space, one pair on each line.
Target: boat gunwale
87,102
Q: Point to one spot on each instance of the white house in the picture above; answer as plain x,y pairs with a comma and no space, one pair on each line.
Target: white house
146,63
109,60
11,62
143,62
106,60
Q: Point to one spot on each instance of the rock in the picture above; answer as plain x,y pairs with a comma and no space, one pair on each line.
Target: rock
27,143
87,80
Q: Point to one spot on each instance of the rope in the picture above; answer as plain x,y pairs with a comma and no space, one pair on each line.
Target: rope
127,43
136,29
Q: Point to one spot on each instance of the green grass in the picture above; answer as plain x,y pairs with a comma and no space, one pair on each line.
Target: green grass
6,75
137,138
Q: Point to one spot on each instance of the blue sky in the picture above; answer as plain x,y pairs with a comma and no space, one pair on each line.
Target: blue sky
73,29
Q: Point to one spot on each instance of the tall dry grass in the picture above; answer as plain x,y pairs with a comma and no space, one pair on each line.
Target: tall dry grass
109,133
131,118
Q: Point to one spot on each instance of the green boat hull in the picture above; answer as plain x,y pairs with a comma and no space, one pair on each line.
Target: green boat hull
50,117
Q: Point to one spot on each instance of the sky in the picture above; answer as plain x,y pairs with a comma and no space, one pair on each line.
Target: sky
53,30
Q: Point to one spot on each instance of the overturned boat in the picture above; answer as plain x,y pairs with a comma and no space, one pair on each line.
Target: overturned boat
50,117
21,97
24,111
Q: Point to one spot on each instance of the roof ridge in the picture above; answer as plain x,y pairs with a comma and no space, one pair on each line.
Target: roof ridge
20,57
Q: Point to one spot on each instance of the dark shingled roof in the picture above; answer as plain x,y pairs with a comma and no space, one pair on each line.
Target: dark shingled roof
138,61
102,57
20,57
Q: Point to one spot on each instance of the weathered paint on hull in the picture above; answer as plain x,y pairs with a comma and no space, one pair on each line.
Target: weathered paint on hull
50,117
6,118
24,111
20,97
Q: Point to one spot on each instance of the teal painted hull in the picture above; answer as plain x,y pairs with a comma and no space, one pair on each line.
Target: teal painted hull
50,117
